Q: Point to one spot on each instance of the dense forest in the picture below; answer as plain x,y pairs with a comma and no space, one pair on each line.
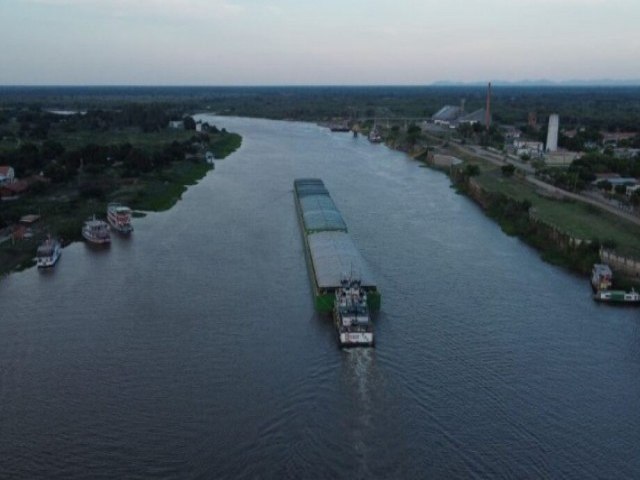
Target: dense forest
598,108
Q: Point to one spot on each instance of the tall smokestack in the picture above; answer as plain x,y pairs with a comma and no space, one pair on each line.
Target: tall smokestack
487,112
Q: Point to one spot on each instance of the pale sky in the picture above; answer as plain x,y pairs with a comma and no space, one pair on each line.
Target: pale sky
300,42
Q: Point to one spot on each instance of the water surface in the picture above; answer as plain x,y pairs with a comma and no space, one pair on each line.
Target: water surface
192,349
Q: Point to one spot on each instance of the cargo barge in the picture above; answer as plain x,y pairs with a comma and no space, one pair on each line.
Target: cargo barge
330,252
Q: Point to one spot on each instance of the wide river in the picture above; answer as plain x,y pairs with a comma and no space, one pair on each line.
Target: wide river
192,349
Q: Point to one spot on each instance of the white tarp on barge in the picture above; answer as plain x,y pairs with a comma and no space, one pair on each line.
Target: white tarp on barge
335,257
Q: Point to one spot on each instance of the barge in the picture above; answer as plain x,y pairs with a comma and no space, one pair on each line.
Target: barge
330,252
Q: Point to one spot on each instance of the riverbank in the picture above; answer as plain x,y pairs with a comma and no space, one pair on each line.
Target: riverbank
63,208
567,233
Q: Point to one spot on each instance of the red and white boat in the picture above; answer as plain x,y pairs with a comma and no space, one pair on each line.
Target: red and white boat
119,217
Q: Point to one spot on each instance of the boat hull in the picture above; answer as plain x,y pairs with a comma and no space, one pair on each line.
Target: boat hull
617,297
48,262
123,229
96,241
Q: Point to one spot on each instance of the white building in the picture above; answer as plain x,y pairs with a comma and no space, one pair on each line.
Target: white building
527,147
7,175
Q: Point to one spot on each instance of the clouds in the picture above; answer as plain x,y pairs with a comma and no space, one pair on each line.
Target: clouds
304,41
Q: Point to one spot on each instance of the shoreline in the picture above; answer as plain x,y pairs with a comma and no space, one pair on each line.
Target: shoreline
155,191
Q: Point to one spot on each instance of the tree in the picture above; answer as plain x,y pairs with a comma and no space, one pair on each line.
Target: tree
52,149
414,132
471,170
189,123
620,189
508,170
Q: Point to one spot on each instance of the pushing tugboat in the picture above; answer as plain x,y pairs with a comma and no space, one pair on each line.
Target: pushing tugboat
351,315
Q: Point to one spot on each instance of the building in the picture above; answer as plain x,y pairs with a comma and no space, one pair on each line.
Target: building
176,124
478,116
13,190
552,132
560,158
528,147
447,115
7,175
510,132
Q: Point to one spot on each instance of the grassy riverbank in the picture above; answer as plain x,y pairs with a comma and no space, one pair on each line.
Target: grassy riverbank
566,233
63,208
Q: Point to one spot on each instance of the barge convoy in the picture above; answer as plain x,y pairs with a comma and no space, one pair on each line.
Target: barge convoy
341,280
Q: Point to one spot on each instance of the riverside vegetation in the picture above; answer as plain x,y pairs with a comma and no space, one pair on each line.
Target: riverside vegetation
566,232
77,163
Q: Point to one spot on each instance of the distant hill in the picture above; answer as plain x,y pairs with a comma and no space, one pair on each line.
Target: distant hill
605,82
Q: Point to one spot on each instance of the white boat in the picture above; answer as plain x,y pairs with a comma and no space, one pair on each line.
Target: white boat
374,135
119,217
601,277
351,315
96,231
48,253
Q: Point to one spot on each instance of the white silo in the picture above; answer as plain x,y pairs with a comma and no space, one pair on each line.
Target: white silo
552,132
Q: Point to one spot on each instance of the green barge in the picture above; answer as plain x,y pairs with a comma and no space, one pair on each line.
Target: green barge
330,252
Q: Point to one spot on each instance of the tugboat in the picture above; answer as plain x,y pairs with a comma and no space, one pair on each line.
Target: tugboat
48,253
96,231
351,315
119,217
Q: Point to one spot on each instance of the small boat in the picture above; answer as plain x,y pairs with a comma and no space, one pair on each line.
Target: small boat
374,135
351,315
617,296
96,231
48,253
339,127
601,277
119,217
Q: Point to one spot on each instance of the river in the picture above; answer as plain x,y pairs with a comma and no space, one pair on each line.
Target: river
192,349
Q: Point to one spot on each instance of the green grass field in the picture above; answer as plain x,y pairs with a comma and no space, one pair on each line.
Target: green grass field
575,218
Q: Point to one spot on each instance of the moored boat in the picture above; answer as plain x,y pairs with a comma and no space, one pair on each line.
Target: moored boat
119,217
48,253
617,296
351,315
374,135
96,231
601,277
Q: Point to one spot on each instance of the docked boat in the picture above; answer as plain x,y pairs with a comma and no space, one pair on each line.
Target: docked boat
351,315
601,277
339,127
48,253
96,231
617,296
374,135
119,217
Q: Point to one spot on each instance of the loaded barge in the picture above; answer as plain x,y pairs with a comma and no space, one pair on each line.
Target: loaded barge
331,254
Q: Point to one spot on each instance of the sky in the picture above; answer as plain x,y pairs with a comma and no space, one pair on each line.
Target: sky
321,42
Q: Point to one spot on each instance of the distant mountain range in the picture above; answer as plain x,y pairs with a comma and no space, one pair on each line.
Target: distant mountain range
605,82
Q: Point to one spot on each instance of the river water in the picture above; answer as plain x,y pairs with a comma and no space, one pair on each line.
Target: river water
192,349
